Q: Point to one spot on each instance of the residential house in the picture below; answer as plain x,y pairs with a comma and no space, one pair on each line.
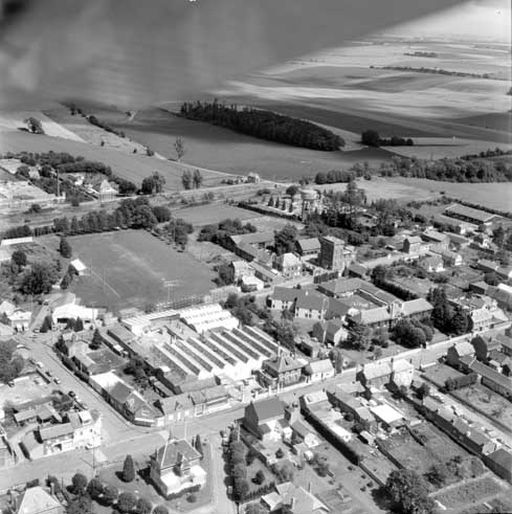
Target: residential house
308,248
311,305
435,239
487,266
493,379
357,270
319,370
262,417
289,265
450,258
295,498
413,245
103,190
402,373
36,500
281,371
175,469
241,269
505,343
18,319
374,374
458,242
502,296
504,272
483,310
330,332
284,298
432,263
457,351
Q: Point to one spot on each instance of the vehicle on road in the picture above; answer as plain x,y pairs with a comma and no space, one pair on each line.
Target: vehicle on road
39,364
72,394
57,380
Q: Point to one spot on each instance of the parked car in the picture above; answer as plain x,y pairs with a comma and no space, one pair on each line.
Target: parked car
39,364
57,380
72,394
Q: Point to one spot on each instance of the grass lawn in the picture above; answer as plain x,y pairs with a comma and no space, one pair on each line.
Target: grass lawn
471,491
493,405
128,268
213,213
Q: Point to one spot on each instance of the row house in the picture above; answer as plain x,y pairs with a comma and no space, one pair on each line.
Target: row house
281,371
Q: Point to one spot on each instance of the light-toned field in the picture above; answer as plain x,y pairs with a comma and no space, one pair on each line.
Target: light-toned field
380,187
213,213
132,167
496,195
89,133
128,268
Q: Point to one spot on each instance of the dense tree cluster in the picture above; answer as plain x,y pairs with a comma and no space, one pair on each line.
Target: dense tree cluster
372,138
244,307
450,169
409,492
238,467
334,176
285,239
284,332
438,71
264,125
192,180
153,184
34,125
10,364
38,279
219,233
51,162
412,333
105,126
446,317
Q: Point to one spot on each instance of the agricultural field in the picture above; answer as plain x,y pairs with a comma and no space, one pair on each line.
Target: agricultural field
134,167
224,150
349,88
380,187
481,398
212,213
496,195
128,269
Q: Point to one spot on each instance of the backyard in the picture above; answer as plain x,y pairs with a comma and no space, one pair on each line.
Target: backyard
129,268
468,492
491,404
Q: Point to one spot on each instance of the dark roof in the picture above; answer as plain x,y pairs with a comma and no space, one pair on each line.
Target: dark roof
501,457
268,409
167,456
505,341
311,244
283,363
285,294
54,431
491,374
341,285
311,300
120,392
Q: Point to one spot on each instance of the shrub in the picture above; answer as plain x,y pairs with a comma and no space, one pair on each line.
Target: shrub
126,502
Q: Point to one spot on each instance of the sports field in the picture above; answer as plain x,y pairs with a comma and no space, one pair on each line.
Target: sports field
128,269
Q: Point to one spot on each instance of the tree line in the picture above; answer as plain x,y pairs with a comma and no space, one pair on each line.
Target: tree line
263,125
372,138
449,169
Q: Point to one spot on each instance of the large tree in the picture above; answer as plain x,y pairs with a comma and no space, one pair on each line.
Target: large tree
409,492
39,279
285,239
126,502
359,336
65,248
79,483
19,257
128,473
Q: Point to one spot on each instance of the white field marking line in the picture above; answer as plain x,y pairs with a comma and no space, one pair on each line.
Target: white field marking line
105,282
